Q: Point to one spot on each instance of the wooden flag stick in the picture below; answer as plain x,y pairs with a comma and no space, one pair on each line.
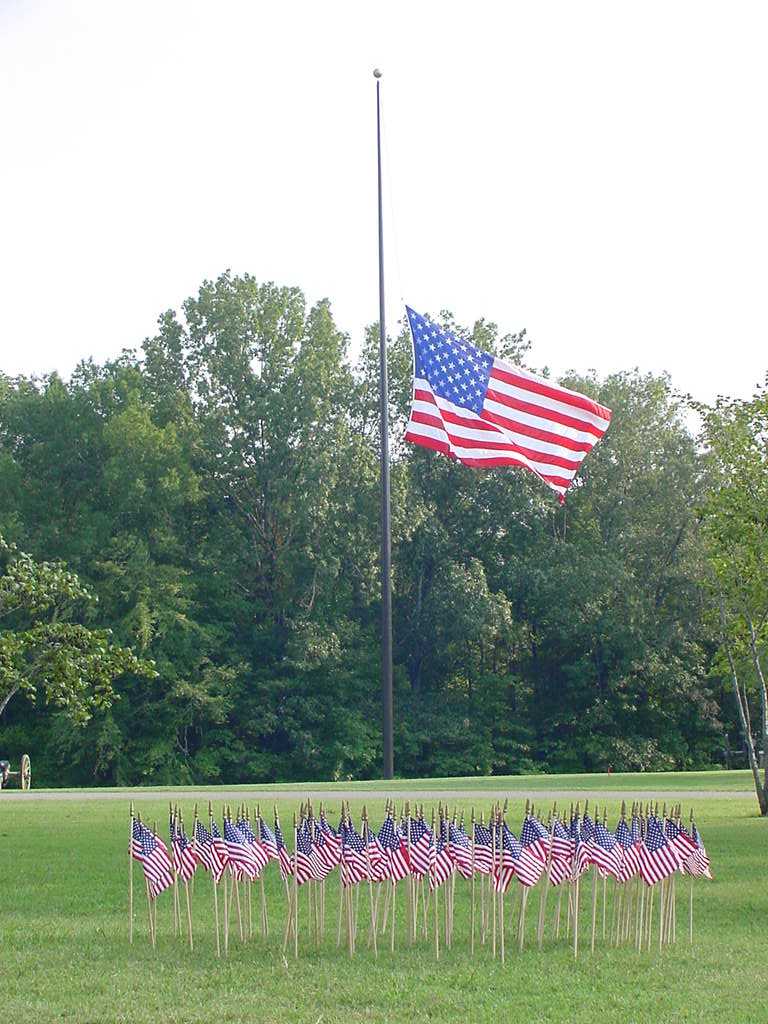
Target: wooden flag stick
576,920
295,887
472,869
521,925
433,882
189,916
149,914
502,946
130,875
494,900
392,933
175,901
342,887
370,884
545,890
216,884
409,877
226,916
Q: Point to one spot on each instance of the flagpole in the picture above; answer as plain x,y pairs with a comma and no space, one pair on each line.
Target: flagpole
386,542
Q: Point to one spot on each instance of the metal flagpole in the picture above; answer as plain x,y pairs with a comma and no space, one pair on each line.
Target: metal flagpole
386,543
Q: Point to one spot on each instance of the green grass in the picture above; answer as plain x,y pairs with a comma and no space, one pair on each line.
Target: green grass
720,781
66,958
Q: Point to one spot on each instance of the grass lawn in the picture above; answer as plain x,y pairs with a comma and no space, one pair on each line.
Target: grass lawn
721,781
66,957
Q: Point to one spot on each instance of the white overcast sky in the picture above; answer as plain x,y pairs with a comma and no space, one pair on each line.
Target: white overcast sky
594,172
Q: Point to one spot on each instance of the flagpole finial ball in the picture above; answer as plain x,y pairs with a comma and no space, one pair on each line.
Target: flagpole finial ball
376,73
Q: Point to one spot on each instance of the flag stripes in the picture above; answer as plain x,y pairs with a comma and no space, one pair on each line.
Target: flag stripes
485,412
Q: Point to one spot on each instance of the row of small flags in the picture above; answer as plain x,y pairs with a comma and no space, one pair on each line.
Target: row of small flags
645,846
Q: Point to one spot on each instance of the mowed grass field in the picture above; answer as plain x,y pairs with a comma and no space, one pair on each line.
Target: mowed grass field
65,956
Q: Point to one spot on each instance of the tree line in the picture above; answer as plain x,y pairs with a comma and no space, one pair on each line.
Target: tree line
215,494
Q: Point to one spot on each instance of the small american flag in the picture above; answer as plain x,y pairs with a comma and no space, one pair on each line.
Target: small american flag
606,852
697,863
442,866
422,848
533,853
308,864
258,852
395,851
486,412
353,855
332,839
561,866
283,857
268,839
325,854
679,840
657,859
508,852
152,854
379,869
207,852
242,863
184,860
460,850
583,856
483,849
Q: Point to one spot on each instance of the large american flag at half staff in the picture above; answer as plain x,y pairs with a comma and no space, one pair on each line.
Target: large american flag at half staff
486,412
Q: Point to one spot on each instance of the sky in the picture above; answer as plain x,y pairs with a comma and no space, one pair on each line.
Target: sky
596,173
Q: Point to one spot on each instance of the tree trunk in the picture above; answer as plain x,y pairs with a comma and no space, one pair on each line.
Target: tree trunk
763,715
761,792
7,698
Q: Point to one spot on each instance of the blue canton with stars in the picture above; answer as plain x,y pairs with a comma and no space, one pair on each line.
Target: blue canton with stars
455,369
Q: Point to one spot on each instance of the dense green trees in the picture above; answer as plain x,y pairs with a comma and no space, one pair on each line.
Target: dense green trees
219,492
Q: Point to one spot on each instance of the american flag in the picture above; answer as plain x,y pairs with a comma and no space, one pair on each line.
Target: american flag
259,853
152,854
219,845
442,866
379,869
630,855
606,852
325,853
332,839
268,839
583,856
395,851
508,852
561,865
483,849
240,858
485,412
184,859
353,855
677,837
657,859
697,863
533,855
422,848
308,863
283,857
207,852
460,850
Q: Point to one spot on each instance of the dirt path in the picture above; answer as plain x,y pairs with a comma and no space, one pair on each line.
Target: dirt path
332,796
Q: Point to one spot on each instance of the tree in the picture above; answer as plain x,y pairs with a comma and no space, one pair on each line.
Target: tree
43,653
734,523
